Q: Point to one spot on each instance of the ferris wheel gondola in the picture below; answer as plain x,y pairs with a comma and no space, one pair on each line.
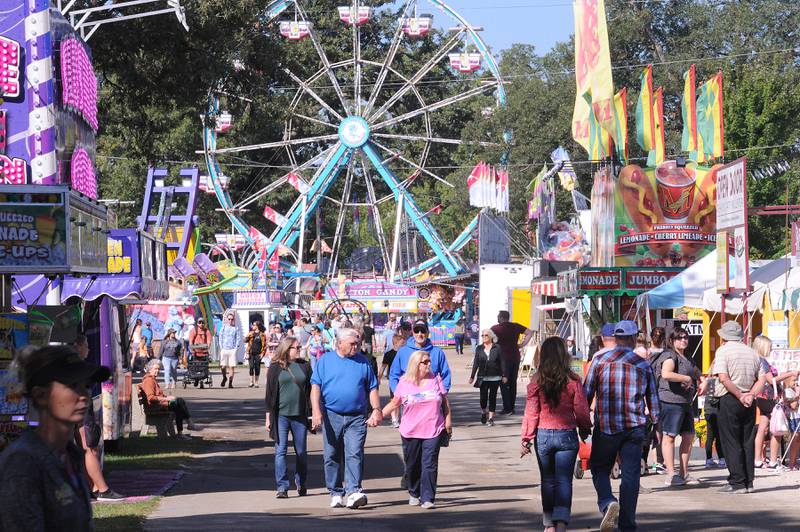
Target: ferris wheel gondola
360,128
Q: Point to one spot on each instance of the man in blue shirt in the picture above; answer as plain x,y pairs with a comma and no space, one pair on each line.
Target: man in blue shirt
147,337
343,389
419,342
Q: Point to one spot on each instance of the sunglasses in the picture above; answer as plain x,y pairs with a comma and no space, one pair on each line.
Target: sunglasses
420,330
425,362
485,335
681,337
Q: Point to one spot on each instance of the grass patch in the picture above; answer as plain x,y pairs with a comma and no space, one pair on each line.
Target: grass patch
155,453
122,516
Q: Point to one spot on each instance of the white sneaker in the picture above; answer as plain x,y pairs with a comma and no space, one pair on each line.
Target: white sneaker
336,501
610,517
691,481
674,480
428,505
356,500
413,501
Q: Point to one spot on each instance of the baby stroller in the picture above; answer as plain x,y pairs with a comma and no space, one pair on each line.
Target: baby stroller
198,373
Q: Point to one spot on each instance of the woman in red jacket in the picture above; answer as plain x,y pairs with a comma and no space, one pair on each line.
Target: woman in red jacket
556,407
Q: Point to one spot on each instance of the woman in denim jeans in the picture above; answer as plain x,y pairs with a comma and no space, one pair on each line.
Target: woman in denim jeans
556,407
288,402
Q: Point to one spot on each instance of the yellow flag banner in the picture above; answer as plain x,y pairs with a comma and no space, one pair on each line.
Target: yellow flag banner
592,71
710,119
659,148
621,124
645,129
689,111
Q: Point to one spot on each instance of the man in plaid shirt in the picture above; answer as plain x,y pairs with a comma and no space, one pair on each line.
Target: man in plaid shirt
622,382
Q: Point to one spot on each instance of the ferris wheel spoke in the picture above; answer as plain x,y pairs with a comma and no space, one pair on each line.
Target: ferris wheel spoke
278,144
324,58
303,85
337,239
281,181
421,73
316,121
434,139
397,40
376,215
411,163
356,65
438,105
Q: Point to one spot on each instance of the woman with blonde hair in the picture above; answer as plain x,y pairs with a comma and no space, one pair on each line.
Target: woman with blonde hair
288,407
426,421
766,401
490,368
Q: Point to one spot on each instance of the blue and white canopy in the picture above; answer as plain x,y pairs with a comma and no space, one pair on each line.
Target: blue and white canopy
685,289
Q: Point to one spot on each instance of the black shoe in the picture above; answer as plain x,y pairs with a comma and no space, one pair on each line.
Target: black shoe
483,419
301,492
93,495
109,495
507,413
230,384
281,495
195,384
224,380
201,386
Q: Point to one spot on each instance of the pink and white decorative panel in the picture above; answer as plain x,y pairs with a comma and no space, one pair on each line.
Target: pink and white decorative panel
84,179
78,81
13,171
9,68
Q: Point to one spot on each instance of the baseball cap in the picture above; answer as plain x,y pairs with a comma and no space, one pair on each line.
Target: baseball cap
607,330
420,324
62,365
626,328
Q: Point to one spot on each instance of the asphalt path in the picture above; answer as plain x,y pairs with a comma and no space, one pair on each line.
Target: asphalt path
483,483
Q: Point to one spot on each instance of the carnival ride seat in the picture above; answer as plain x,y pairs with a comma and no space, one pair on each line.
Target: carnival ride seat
163,421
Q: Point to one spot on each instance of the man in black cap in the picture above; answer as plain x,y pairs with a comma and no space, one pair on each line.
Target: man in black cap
419,341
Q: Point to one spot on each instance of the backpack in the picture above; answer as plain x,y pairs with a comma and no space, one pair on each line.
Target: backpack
659,361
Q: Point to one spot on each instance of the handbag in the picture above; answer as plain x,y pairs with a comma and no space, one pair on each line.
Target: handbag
478,382
444,438
777,421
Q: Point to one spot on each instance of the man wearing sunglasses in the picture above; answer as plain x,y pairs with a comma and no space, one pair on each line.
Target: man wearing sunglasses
419,341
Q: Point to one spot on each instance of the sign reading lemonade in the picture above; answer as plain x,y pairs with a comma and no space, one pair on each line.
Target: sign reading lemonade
665,216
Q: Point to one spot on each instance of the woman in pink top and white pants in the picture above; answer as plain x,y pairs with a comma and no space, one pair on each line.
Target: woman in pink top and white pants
556,407
426,414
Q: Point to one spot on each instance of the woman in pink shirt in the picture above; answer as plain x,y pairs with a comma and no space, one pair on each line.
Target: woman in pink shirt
556,407
426,415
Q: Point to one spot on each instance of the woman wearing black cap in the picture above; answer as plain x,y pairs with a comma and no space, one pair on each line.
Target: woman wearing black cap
42,483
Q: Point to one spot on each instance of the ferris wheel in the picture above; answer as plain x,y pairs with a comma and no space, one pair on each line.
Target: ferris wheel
361,127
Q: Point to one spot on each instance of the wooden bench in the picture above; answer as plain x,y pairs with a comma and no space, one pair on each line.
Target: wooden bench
163,421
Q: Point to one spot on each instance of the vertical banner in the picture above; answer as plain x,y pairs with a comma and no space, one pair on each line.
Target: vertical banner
732,217
592,70
723,263
795,244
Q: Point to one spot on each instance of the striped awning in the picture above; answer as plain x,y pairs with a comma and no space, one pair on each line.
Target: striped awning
545,288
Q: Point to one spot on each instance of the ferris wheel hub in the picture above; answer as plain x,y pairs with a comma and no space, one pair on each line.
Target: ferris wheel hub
354,131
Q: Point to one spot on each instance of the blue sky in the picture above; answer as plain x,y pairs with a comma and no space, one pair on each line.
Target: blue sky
541,23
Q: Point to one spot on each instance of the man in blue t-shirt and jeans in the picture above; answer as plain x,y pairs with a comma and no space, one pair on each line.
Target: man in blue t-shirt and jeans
343,389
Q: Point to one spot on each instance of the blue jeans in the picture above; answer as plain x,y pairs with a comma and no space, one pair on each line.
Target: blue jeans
556,451
344,437
297,425
474,343
422,467
170,370
605,447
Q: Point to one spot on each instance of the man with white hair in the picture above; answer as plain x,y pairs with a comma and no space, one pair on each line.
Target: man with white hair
343,389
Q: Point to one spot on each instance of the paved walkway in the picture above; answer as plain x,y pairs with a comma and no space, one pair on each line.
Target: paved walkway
483,484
